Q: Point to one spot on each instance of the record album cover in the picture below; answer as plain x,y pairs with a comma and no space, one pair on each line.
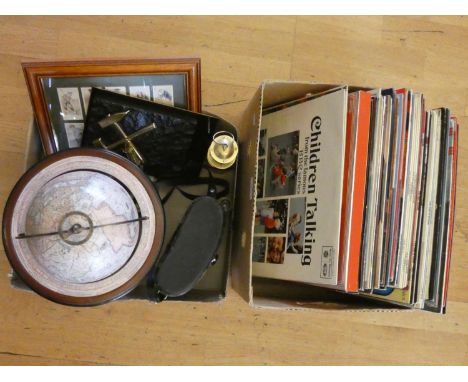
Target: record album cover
297,221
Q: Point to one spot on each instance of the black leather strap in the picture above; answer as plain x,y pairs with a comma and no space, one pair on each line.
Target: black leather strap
212,182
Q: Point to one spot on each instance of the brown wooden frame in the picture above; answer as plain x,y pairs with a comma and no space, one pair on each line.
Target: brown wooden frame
35,71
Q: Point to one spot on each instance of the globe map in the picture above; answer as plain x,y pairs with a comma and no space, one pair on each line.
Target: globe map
70,207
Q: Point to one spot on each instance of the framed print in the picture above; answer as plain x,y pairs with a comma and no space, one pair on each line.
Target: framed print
60,91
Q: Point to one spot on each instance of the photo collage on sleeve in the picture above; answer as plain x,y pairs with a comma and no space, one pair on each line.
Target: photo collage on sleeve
279,213
74,104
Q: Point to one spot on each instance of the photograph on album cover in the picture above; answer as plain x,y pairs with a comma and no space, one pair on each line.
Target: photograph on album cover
275,253
260,177
262,143
282,164
259,249
271,216
296,225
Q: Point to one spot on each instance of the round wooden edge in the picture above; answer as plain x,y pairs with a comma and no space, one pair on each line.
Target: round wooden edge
119,291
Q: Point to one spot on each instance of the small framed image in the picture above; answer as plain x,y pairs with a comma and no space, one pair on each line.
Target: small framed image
70,105
117,89
74,132
163,94
85,96
60,91
143,92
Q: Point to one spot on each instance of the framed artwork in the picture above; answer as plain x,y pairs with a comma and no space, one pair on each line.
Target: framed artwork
60,91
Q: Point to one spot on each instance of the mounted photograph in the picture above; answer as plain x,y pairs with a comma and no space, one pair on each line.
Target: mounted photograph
296,225
140,92
271,216
282,164
70,105
164,94
259,249
275,252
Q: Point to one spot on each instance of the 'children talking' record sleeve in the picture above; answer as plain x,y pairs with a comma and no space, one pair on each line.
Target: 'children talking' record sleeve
299,191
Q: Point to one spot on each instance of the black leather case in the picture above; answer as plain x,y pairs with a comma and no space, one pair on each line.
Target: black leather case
192,248
176,148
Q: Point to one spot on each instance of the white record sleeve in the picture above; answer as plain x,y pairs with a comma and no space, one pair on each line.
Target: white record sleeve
300,212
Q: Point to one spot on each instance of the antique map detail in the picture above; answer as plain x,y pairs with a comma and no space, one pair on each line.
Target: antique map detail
74,205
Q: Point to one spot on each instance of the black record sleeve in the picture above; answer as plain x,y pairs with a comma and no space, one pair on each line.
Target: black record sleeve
441,223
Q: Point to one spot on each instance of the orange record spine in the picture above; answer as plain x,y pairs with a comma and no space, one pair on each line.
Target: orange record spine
359,188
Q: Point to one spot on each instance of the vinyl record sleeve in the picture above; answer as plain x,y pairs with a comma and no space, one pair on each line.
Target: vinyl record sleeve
453,153
354,188
372,193
379,258
297,221
403,104
430,206
439,253
408,208
388,155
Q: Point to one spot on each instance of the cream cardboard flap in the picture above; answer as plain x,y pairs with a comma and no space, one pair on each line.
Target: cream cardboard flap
245,198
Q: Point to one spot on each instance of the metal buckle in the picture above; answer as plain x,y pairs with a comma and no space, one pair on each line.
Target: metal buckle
129,148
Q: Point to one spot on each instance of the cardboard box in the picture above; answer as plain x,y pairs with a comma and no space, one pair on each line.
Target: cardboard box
257,292
261,292
212,286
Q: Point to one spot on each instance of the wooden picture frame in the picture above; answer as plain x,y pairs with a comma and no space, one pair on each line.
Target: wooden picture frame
55,86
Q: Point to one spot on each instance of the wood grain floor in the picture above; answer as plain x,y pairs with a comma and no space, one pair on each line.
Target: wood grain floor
429,54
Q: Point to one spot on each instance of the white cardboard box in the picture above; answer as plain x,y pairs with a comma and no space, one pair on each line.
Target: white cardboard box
262,292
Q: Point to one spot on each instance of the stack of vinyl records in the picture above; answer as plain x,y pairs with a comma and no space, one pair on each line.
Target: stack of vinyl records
356,192
409,198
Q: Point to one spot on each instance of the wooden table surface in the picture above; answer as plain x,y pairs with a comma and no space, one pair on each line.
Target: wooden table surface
426,54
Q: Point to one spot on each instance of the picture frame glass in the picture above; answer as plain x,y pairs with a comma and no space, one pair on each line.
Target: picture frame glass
67,98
